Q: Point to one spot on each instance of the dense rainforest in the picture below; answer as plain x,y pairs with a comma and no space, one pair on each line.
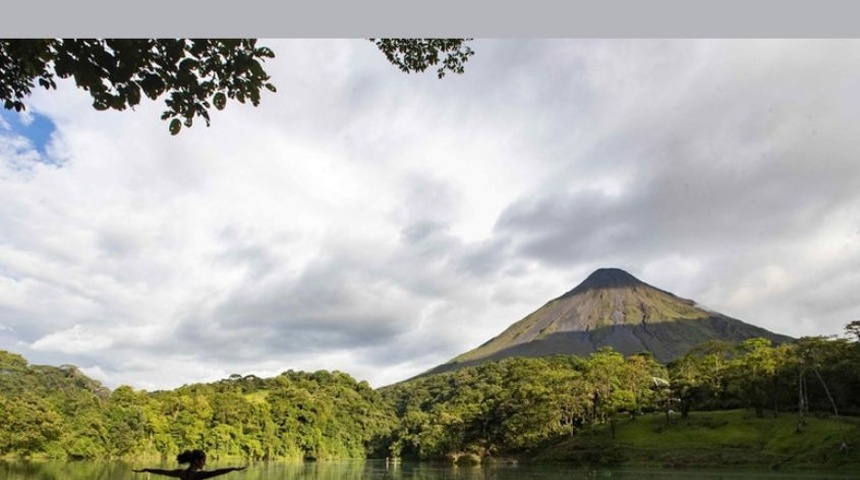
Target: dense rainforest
59,412
515,406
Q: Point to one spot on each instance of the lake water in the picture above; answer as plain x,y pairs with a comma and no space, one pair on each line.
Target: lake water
377,470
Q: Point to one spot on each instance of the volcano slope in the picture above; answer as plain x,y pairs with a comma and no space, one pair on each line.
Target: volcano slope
612,308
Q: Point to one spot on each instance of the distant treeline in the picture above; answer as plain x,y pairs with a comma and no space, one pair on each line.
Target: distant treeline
61,413
509,407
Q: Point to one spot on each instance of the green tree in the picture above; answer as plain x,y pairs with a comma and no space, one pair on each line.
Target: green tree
638,376
534,402
30,425
604,372
418,54
686,383
85,434
754,374
194,74
826,374
852,329
713,359
125,420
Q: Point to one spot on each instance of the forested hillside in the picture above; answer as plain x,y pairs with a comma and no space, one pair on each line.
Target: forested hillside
513,407
61,413
522,405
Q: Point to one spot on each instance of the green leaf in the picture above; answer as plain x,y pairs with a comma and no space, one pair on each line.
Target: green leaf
175,126
220,100
152,85
133,95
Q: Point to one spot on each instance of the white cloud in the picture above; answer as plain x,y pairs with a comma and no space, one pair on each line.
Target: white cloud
77,339
379,223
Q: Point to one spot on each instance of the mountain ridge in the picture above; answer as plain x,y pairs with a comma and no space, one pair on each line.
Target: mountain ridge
612,308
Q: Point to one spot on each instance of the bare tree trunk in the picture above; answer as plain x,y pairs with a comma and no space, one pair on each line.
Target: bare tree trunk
844,446
801,400
826,390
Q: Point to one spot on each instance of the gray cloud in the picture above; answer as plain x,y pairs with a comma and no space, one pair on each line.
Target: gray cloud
380,223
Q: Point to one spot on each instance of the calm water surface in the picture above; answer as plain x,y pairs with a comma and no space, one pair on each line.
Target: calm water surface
377,470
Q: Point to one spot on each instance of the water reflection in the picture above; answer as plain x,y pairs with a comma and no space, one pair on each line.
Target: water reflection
378,470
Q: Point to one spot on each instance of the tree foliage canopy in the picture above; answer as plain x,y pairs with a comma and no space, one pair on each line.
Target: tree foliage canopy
506,407
193,74
418,54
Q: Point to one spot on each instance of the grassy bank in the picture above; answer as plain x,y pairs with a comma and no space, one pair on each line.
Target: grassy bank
715,439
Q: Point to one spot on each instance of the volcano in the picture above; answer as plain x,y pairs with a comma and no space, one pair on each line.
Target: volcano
612,308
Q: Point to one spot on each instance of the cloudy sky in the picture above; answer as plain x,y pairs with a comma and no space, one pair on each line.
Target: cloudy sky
379,223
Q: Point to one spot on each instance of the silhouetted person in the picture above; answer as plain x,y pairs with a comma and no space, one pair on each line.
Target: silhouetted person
195,459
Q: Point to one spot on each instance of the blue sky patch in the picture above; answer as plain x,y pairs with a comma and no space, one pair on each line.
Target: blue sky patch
33,126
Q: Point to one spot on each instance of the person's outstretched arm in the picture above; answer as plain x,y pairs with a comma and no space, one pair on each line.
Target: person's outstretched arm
158,471
215,473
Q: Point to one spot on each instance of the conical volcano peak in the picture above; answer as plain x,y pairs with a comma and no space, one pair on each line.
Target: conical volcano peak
612,308
606,278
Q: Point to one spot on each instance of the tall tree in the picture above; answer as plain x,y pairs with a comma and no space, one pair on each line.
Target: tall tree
194,74
853,330
753,374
